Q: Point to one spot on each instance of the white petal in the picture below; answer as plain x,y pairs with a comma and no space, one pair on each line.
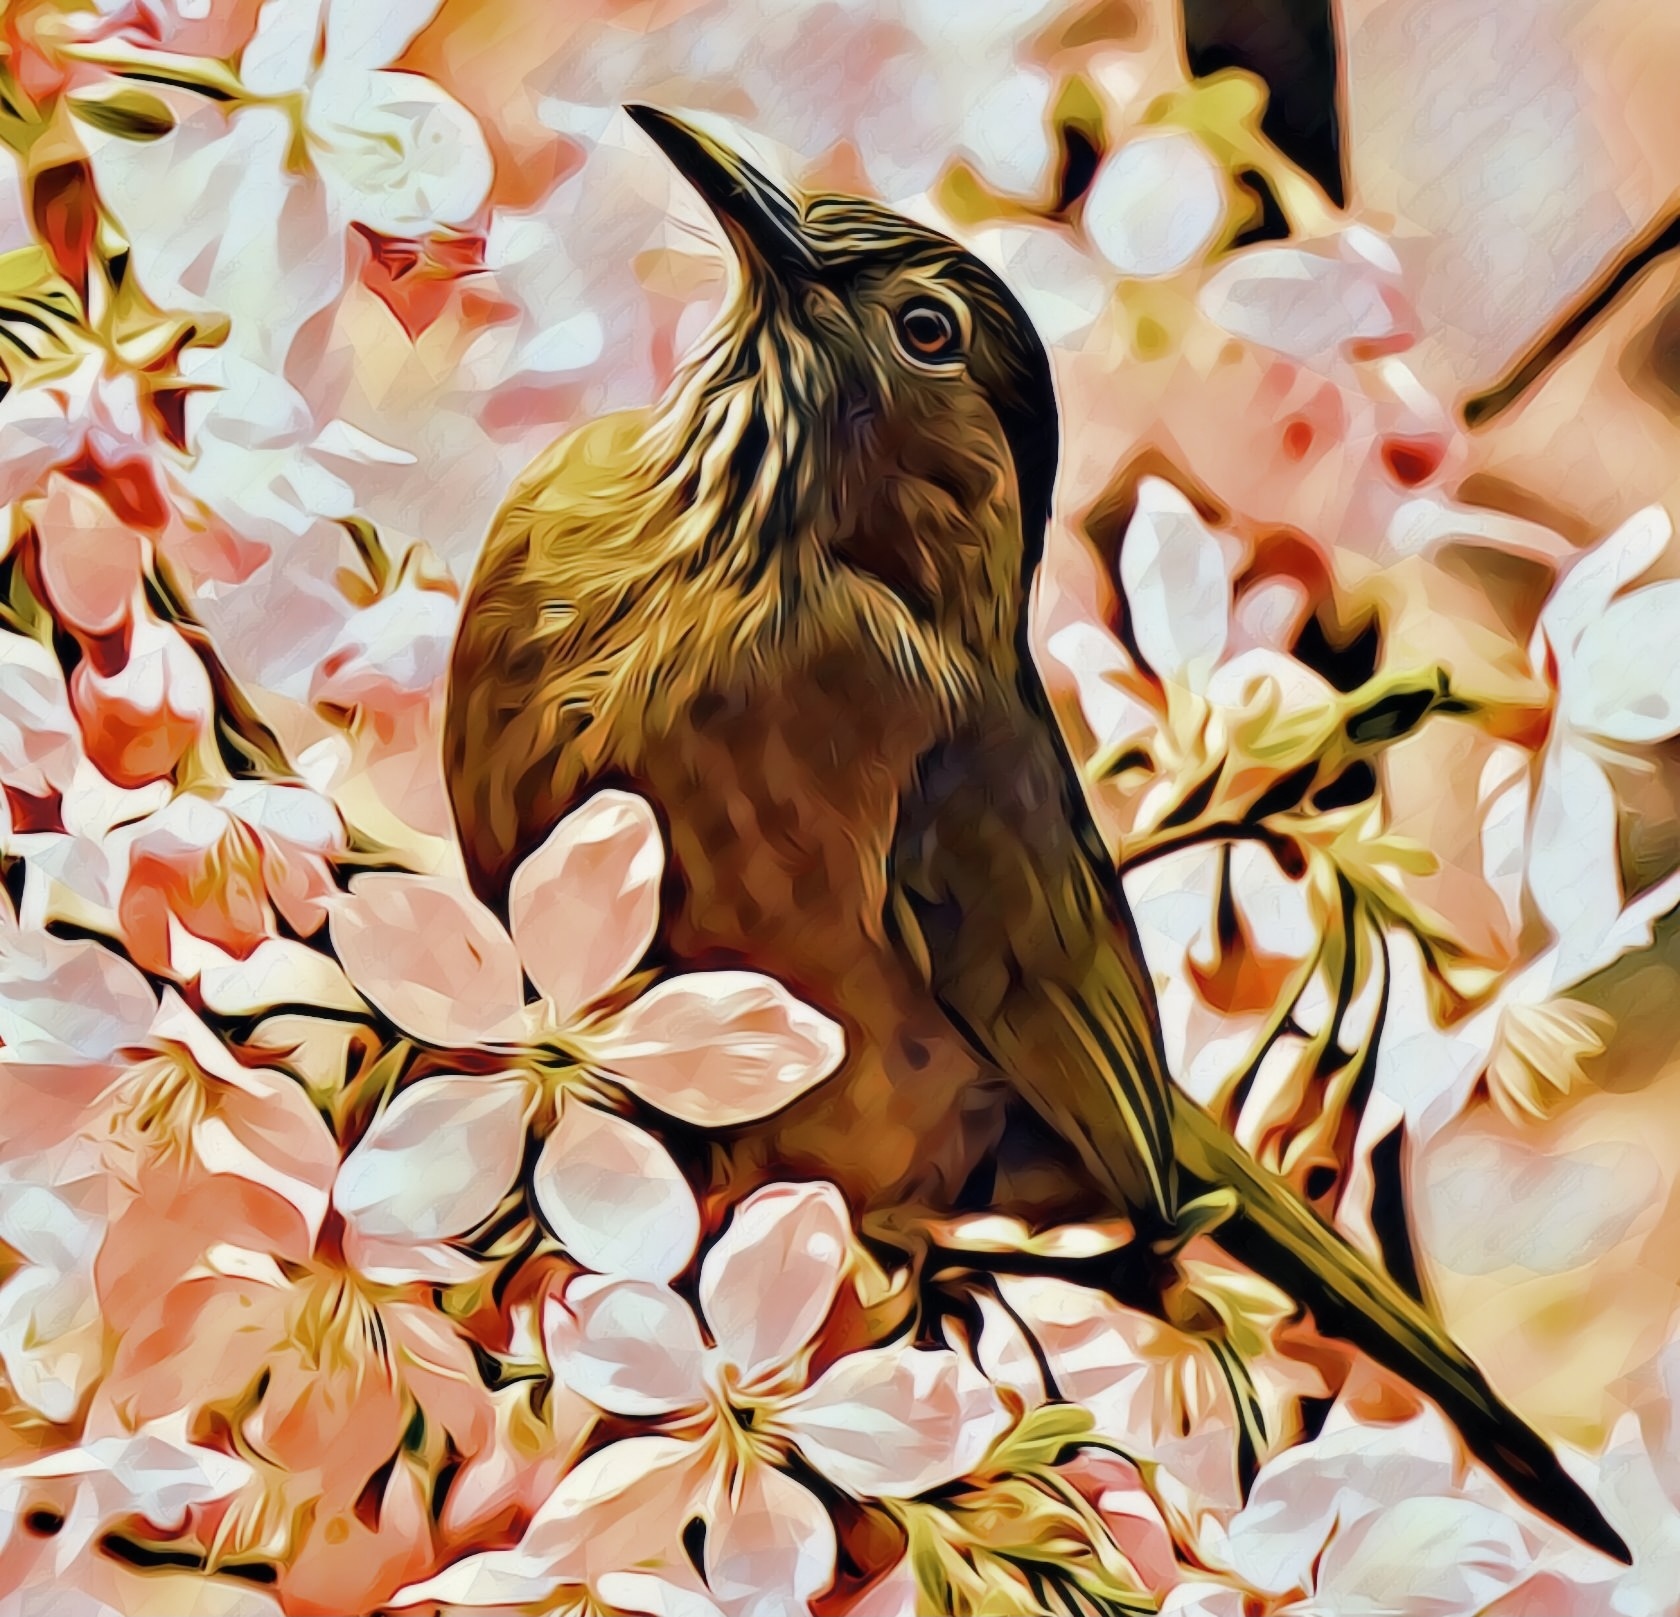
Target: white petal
1623,683
716,1048
403,155
50,1338
437,1161
1435,1557
1156,204
1176,572
628,1346
614,1196
509,1579
895,1421
402,1263
392,652
430,956
372,36
585,905
154,1472
771,1545
1341,1476
651,1595
1099,664
768,1284
39,738
623,1505
277,57
67,1001
1299,303
279,971
1584,593
1574,871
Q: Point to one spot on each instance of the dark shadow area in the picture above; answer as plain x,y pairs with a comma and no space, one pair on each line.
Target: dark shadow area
1292,45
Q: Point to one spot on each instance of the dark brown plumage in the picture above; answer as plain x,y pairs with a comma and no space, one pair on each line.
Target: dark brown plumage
788,606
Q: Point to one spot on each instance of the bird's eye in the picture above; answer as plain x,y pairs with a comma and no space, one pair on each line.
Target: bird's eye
928,331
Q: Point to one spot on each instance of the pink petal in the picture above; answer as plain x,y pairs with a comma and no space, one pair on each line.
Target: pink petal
614,1196
895,1421
90,561
770,1541
300,831
585,905
138,722
628,1346
436,1162
771,1279
269,1132
716,1048
430,956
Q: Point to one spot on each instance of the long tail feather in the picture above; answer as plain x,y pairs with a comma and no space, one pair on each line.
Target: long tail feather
1277,1235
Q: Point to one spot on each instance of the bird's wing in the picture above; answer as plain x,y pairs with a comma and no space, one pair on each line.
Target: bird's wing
1004,894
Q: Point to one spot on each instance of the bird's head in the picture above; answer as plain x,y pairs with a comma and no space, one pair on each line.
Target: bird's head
874,401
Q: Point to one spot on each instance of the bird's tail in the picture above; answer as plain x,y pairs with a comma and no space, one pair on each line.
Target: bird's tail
1277,1235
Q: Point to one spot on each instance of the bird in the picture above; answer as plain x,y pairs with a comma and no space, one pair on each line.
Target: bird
788,605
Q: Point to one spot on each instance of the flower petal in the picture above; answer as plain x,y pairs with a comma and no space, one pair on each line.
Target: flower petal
614,1196
631,1347
39,739
268,1132
430,956
279,971
67,1001
1176,572
1584,593
585,905
622,1506
438,1160
771,1279
1301,303
1623,682
1437,1557
895,1421
1573,872
652,1595
771,1545
716,1048
1156,204
401,154
492,1578
90,559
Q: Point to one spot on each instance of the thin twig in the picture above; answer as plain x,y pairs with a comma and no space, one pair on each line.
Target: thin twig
1659,239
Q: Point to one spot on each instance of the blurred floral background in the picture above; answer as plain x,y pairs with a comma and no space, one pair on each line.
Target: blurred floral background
347,1257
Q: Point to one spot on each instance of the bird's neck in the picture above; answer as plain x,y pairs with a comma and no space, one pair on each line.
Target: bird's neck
755,505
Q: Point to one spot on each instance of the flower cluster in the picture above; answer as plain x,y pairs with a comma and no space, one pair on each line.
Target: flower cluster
358,1246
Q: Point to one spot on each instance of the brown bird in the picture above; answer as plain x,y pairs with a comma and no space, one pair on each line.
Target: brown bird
788,606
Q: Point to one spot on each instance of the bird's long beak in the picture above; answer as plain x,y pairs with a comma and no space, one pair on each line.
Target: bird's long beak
753,209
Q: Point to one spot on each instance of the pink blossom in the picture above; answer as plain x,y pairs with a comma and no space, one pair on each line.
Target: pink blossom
222,866
885,1422
144,702
712,1048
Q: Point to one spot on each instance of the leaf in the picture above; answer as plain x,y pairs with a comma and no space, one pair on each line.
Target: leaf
1019,1546
44,333
1041,1437
128,114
